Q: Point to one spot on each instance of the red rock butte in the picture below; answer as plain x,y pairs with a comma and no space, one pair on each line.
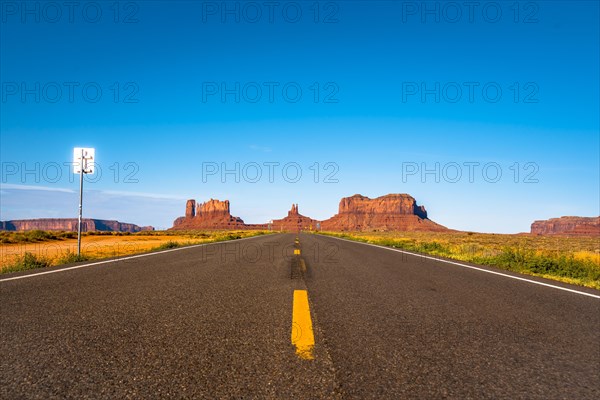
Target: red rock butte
357,213
393,212
214,214
294,221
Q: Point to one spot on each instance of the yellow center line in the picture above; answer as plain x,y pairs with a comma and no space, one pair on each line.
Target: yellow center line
302,330
296,251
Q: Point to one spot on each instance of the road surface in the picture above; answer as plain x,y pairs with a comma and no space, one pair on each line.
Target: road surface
231,320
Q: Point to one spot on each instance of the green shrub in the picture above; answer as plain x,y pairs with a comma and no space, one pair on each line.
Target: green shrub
69,235
27,261
529,262
35,236
39,236
169,245
432,247
70,257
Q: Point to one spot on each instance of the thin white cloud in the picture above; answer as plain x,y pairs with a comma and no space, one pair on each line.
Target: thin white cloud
157,196
10,186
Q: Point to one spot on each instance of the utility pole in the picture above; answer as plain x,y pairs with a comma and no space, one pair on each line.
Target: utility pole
80,205
81,157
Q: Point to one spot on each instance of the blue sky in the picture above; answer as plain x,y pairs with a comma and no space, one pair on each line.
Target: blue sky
165,90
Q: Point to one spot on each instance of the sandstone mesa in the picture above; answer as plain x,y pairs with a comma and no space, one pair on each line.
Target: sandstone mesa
356,213
392,212
70,224
568,226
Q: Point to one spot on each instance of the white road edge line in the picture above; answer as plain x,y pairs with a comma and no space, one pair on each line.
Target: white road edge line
124,258
470,266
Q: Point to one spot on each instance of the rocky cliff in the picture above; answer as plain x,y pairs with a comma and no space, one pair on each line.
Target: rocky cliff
571,226
70,224
357,213
190,209
294,221
390,204
391,212
213,214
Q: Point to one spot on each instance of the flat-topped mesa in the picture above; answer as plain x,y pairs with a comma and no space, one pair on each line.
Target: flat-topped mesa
568,226
391,204
390,212
213,214
70,224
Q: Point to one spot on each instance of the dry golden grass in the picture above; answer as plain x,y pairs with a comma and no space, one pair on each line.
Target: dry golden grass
574,260
105,246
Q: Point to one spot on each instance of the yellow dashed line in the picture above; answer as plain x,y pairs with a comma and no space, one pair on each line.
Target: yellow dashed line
296,251
302,330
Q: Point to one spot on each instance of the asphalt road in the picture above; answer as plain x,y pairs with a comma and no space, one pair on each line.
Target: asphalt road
216,322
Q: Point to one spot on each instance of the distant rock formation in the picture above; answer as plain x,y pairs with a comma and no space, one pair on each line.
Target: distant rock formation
398,212
568,226
294,221
70,224
190,209
214,214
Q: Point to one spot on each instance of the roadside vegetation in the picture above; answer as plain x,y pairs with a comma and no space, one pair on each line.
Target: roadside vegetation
574,260
171,244
27,261
20,251
34,236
